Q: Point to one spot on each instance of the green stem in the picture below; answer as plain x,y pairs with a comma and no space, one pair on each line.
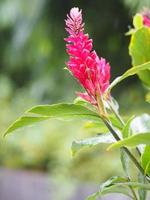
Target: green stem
122,122
133,192
116,114
134,160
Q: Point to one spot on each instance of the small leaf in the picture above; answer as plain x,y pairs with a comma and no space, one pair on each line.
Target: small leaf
90,142
126,130
110,187
143,138
132,71
145,160
115,122
56,111
148,97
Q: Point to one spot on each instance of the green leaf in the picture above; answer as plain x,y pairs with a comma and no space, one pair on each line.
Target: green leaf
56,111
136,185
148,97
115,122
145,160
132,71
24,121
118,185
111,186
139,49
138,21
143,138
96,127
90,142
126,130
63,110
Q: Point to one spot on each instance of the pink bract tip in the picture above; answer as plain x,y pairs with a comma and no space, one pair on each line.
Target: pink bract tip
74,22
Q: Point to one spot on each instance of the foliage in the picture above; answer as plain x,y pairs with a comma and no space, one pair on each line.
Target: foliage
122,134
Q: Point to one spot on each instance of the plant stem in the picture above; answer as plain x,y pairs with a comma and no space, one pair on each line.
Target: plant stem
122,122
134,160
116,114
115,135
133,192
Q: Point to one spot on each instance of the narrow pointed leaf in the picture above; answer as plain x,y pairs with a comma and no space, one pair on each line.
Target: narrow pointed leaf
126,130
56,111
143,138
22,122
132,71
111,186
145,160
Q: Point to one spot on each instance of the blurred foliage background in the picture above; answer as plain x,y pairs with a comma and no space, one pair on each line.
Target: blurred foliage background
32,61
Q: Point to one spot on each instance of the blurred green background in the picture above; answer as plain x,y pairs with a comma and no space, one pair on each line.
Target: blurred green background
32,61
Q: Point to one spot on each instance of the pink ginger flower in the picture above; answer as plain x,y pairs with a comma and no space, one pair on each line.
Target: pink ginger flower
146,17
92,72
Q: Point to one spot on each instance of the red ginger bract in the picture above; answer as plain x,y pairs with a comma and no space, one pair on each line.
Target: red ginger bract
92,72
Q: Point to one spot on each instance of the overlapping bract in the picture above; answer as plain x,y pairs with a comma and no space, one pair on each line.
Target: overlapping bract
92,72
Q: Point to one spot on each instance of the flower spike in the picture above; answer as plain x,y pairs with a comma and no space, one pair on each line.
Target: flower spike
92,72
